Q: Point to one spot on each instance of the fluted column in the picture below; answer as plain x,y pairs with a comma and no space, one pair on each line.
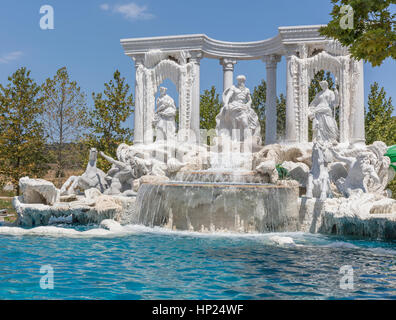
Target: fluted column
291,133
138,116
358,130
228,72
195,58
271,114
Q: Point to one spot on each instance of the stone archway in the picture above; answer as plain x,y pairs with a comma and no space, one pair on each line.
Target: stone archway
346,73
149,75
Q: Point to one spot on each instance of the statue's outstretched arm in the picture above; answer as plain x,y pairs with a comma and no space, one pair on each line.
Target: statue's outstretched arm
348,160
119,164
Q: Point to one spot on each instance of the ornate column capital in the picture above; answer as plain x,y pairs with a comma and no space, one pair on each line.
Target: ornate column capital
139,60
271,60
196,56
228,63
290,50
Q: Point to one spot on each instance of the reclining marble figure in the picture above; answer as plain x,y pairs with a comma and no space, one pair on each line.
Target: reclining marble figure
91,178
120,177
361,173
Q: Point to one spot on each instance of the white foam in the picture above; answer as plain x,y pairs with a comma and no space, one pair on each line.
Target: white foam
282,241
112,230
342,244
383,251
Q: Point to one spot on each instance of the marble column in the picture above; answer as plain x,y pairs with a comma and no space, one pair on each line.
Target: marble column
271,62
228,72
291,133
138,128
358,131
195,58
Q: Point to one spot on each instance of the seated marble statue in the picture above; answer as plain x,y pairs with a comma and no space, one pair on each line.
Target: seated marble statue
237,112
320,111
164,119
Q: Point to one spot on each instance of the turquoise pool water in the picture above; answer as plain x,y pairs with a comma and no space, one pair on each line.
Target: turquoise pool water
148,263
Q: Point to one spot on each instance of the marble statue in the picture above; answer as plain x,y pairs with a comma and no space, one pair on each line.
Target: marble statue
318,184
237,112
321,112
120,177
91,178
381,165
362,173
164,118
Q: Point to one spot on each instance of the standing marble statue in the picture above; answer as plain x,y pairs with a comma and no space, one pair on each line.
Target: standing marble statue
321,112
164,119
237,112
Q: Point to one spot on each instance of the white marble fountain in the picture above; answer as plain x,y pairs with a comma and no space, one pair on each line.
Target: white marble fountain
171,177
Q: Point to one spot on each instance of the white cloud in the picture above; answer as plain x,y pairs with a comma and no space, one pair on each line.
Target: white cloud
11,56
104,7
130,11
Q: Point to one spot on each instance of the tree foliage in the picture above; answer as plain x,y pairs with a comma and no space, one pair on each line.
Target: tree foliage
373,34
64,114
22,138
379,123
210,105
106,121
281,116
259,98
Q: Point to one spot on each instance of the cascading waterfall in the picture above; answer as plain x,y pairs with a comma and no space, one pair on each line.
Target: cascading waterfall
214,207
228,196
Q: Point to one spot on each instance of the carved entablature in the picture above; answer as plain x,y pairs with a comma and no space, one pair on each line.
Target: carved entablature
306,51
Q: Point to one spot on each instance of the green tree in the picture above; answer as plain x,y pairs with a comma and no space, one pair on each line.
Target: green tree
22,138
281,116
64,115
210,106
372,36
259,98
111,109
379,123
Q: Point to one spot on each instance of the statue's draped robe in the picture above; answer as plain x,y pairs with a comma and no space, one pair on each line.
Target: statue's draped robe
237,114
164,119
324,125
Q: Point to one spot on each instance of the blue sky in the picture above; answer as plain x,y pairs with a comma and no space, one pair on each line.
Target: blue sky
87,34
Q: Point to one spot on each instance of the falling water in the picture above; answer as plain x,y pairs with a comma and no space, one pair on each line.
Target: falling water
215,207
229,196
